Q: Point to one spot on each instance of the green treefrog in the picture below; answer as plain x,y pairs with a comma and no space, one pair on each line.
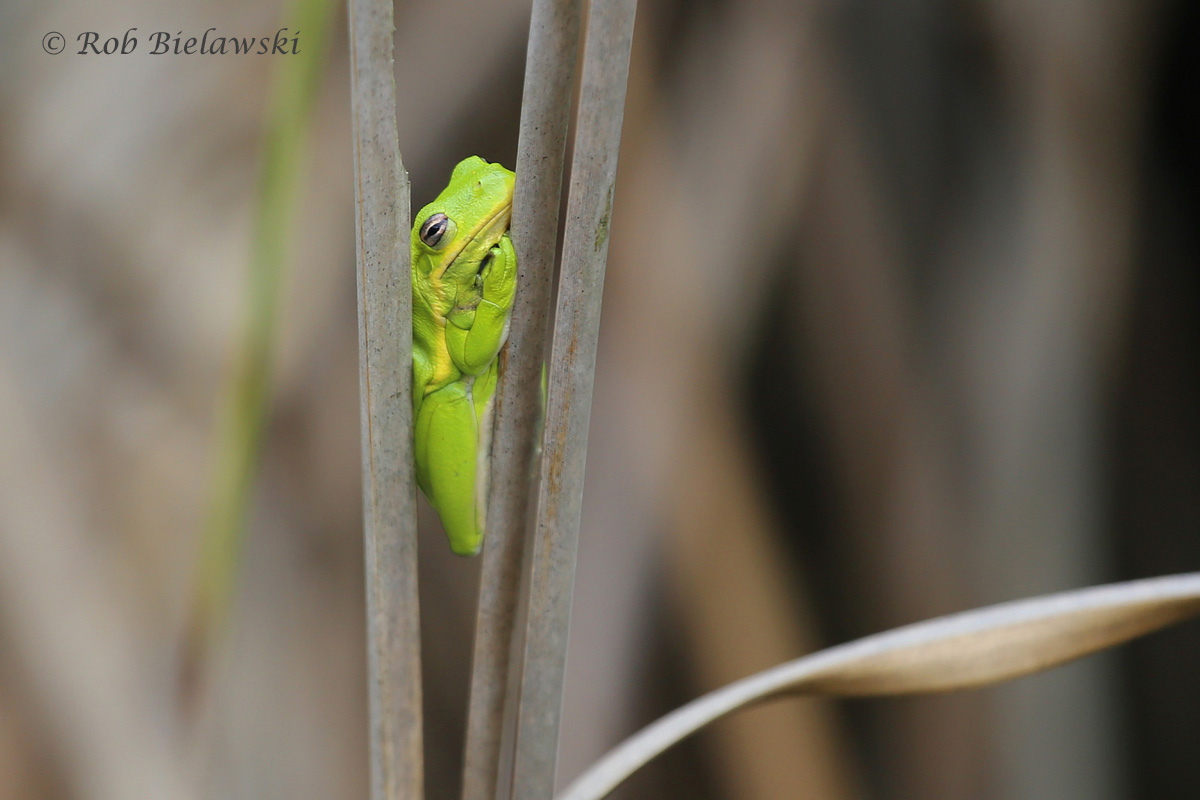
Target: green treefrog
464,276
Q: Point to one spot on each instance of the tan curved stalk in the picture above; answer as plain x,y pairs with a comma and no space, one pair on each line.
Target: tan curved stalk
961,651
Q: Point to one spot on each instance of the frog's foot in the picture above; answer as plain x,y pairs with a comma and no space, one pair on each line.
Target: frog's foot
498,274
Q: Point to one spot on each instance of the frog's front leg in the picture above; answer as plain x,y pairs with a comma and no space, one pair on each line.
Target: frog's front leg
447,452
474,337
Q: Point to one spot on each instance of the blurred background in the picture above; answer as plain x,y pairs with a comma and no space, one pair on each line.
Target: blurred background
895,325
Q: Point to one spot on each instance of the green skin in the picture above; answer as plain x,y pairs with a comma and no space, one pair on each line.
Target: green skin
464,275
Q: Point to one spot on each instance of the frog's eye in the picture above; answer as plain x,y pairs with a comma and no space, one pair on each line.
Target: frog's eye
437,230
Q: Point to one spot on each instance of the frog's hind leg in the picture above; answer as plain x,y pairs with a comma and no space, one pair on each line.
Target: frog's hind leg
447,441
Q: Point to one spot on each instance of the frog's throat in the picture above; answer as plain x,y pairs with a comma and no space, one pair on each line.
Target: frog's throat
495,224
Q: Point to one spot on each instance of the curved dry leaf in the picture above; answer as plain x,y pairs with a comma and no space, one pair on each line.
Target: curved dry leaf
974,648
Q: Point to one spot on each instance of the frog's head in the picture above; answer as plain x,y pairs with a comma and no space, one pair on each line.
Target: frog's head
453,236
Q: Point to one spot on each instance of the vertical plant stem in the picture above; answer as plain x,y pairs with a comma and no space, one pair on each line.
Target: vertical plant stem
545,115
572,367
242,420
382,211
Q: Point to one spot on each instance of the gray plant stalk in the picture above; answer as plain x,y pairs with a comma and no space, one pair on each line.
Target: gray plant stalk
382,211
541,151
569,397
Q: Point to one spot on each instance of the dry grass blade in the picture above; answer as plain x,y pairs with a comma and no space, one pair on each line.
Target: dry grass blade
545,113
385,383
246,401
975,648
569,400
